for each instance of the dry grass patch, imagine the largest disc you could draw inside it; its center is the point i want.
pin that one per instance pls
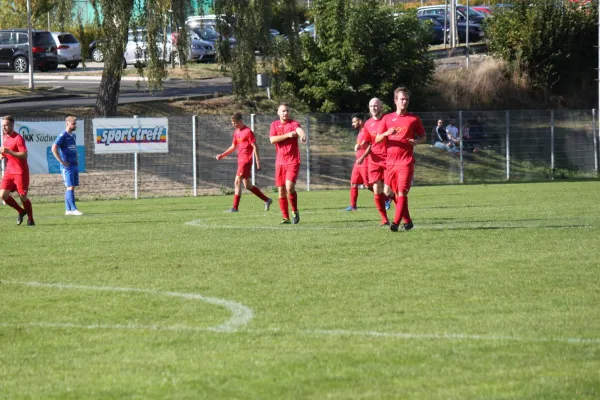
(484, 86)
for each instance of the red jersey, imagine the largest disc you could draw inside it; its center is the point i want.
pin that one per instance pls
(243, 139)
(407, 126)
(378, 152)
(288, 152)
(361, 137)
(15, 142)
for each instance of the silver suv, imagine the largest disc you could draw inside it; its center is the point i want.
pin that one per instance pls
(136, 50)
(69, 49)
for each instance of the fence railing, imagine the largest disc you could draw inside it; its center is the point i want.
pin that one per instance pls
(515, 146)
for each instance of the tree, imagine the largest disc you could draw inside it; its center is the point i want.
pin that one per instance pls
(550, 44)
(13, 14)
(116, 18)
(362, 51)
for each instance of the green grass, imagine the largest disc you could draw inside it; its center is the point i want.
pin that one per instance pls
(494, 294)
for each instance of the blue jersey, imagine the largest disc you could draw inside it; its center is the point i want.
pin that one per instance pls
(67, 147)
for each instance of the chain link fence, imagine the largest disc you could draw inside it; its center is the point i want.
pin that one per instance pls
(511, 146)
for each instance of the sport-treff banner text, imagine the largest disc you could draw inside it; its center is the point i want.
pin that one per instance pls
(40, 136)
(130, 135)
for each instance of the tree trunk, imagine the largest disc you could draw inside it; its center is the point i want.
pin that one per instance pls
(108, 94)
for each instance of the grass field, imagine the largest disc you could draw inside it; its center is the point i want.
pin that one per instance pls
(494, 294)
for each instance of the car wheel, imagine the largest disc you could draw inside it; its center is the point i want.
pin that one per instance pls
(72, 65)
(176, 60)
(124, 63)
(20, 64)
(97, 55)
(53, 68)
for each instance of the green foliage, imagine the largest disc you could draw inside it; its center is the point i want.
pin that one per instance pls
(352, 61)
(549, 43)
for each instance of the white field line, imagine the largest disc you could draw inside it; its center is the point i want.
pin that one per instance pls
(241, 314)
(425, 226)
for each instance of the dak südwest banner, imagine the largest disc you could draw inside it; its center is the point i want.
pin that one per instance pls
(40, 136)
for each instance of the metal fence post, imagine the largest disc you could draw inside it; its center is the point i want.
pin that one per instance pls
(507, 145)
(307, 153)
(194, 155)
(595, 140)
(135, 172)
(253, 160)
(460, 132)
(552, 143)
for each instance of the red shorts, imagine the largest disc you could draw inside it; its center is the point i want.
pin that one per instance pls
(18, 183)
(399, 177)
(244, 170)
(286, 173)
(360, 175)
(376, 172)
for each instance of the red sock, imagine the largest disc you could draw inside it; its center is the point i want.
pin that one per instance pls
(29, 209)
(380, 204)
(399, 209)
(258, 193)
(405, 213)
(283, 205)
(236, 201)
(11, 202)
(294, 201)
(353, 196)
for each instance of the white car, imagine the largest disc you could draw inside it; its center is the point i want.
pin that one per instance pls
(136, 50)
(68, 48)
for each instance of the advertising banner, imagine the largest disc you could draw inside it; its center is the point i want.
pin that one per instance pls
(40, 136)
(130, 135)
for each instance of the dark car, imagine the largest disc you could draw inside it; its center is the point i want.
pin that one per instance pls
(14, 50)
(95, 53)
(437, 29)
(476, 33)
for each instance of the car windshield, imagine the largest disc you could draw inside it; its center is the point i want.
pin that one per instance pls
(206, 34)
(43, 38)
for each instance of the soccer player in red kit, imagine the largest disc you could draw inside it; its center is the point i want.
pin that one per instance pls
(16, 175)
(401, 131)
(360, 171)
(245, 142)
(377, 160)
(284, 134)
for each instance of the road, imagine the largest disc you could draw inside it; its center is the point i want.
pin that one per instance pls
(80, 90)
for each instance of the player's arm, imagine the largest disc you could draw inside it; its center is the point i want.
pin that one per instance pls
(382, 132)
(281, 138)
(256, 155)
(419, 132)
(17, 154)
(365, 154)
(300, 132)
(57, 155)
(227, 152)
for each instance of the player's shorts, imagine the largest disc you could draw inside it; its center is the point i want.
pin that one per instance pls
(376, 172)
(244, 170)
(286, 173)
(70, 175)
(360, 174)
(16, 183)
(400, 177)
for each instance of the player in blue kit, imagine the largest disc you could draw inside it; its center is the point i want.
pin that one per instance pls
(65, 151)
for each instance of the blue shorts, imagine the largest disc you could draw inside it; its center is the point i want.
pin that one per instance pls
(70, 175)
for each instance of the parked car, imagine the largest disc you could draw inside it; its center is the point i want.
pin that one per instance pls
(68, 49)
(14, 50)
(476, 32)
(200, 50)
(437, 29)
(210, 35)
(474, 16)
(483, 9)
(308, 30)
(136, 50)
(95, 52)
